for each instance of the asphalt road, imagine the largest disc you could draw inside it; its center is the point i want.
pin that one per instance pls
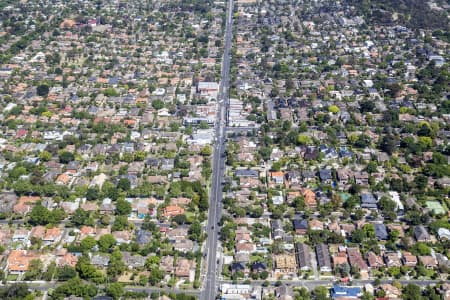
(45, 286)
(241, 129)
(218, 166)
(311, 284)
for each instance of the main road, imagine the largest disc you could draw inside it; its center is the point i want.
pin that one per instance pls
(310, 284)
(45, 286)
(218, 166)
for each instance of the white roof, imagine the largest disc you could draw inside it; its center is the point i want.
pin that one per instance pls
(208, 85)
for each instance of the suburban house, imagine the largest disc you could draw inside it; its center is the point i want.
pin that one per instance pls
(345, 292)
(18, 261)
(323, 258)
(303, 255)
(368, 201)
(172, 210)
(300, 226)
(421, 234)
(285, 264)
(408, 259)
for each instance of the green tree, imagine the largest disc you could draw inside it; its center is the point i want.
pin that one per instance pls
(106, 242)
(195, 231)
(372, 167)
(16, 291)
(50, 272)
(139, 155)
(120, 223)
(80, 217)
(425, 142)
(304, 139)
(56, 216)
(425, 130)
(115, 290)
(45, 156)
(152, 262)
(333, 109)
(87, 243)
(175, 189)
(17, 171)
(412, 292)
(265, 152)
(439, 158)
(421, 181)
(188, 130)
(39, 215)
(369, 230)
(203, 125)
(110, 191)
(42, 90)
(321, 293)
(124, 184)
(110, 92)
(65, 273)
(421, 249)
(156, 275)
(388, 144)
(303, 294)
(84, 268)
(394, 271)
(367, 106)
(75, 287)
(358, 236)
(92, 193)
(367, 296)
(66, 157)
(123, 207)
(157, 104)
(203, 203)
(116, 265)
(35, 270)
(206, 150)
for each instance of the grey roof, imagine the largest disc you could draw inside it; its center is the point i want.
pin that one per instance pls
(323, 256)
(292, 174)
(303, 255)
(143, 237)
(300, 224)
(102, 298)
(421, 233)
(325, 174)
(283, 291)
(381, 232)
(237, 266)
(368, 198)
(100, 260)
(153, 162)
(277, 229)
(308, 174)
(134, 261)
(276, 224)
(246, 173)
(7, 201)
(369, 205)
(256, 266)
